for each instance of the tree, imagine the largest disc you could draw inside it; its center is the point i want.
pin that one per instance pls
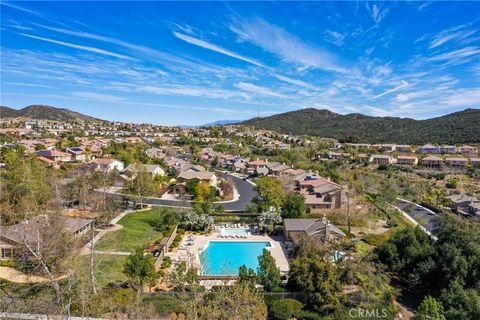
(438, 194)
(142, 185)
(287, 309)
(40, 147)
(430, 309)
(191, 186)
(293, 206)
(237, 302)
(312, 273)
(204, 197)
(268, 273)
(26, 188)
(268, 220)
(270, 193)
(184, 280)
(247, 276)
(140, 270)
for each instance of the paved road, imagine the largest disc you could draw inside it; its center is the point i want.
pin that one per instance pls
(420, 214)
(245, 190)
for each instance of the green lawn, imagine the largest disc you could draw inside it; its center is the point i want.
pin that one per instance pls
(108, 268)
(137, 232)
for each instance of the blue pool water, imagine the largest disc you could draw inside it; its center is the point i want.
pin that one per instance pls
(235, 232)
(224, 258)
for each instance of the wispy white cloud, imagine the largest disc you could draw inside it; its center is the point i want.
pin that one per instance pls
(79, 47)
(214, 47)
(379, 112)
(377, 13)
(335, 37)
(285, 45)
(259, 90)
(449, 35)
(465, 98)
(296, 82)
(456, 56)
(394, 89)
(98, 96)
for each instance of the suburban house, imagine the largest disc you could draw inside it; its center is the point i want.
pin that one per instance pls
(13, 238)
(338, 155)
(465, 203)
(255, 165)
(106, 164)
(403, 148)
(239, 167)
(432, 162)
(77, 154)
(448, 149)
(320, 229)
(278, 169)
(466, 149)
(320, 193)
(475, 162)
(201, 176)
(55, 155)
(457, 162)
(428, 148)
(153, 169)
(382, 159)
(407, 160)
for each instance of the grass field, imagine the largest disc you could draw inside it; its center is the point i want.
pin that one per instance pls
(137, 232)
(108, 268)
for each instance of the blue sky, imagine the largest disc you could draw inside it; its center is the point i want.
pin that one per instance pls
(193, 63)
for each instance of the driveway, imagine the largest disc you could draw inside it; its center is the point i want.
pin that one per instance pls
(422, 215)
(246, 193)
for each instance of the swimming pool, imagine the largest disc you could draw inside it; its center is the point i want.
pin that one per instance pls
(226, 257)
(235, 232)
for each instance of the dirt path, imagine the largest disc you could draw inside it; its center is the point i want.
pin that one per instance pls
(13, 275)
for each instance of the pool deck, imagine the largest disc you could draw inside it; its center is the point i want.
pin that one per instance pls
(192, 252)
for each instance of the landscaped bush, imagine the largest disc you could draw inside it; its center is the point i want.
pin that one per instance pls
(180, 231)
(8, 263)
(166, 263)
(291, 309)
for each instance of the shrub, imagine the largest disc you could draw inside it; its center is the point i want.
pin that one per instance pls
(287, 309)
(180, 231)
(376, 239)
(8, 263)
(166, 263)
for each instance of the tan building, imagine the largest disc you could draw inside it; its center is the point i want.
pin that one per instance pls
(382, 159)
(202, 176)
(475, 162)
(466, 149)
(320, 229)
(432, 162)
(457, 162)
(407, 160)
(14, 238)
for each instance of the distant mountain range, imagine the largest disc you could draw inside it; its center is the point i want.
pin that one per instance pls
(43, 112)
(458, 127)
(221, 123)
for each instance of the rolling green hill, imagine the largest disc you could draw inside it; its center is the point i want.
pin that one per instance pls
(45, 113)
(458, 127)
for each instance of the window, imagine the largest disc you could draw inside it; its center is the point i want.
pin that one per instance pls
(6, 253)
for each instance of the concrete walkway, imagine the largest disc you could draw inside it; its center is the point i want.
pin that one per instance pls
(14, 275)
